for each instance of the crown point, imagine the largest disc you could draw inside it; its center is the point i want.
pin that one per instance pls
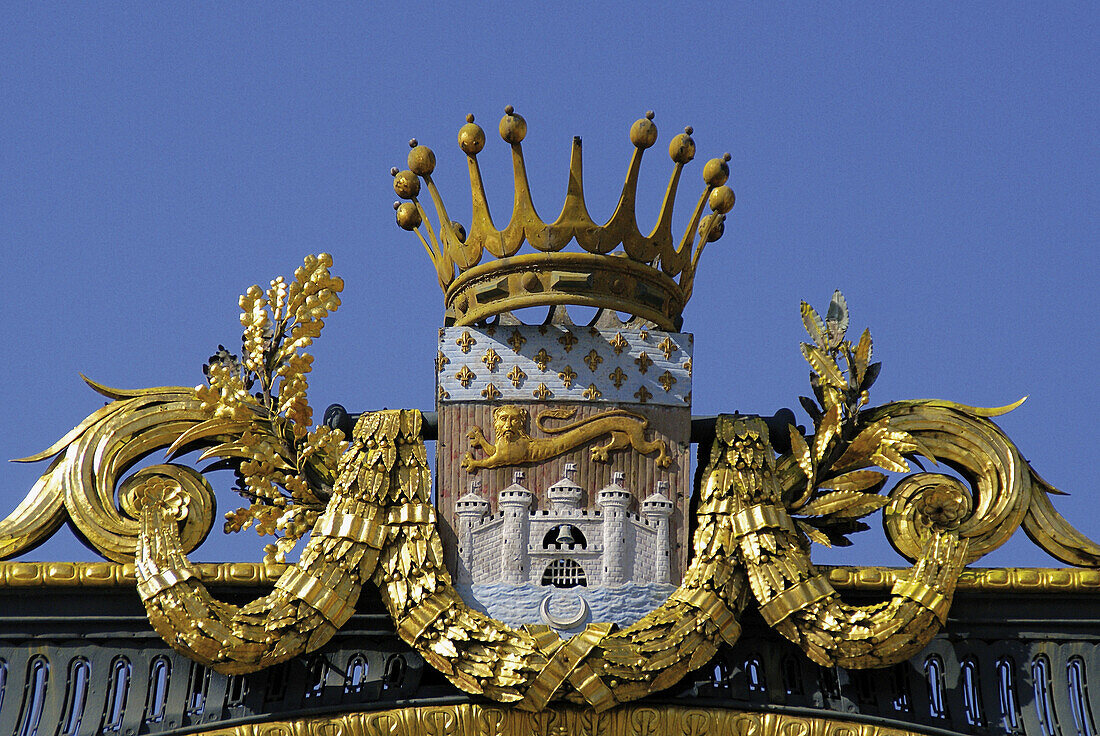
(689, 130)
(681, 149)
(421, 160)
(471, 138)
(722, 199)
(405, 184)
(643, 133)
(513, 128)
(716, 172)
(408, 216)
(648, 114)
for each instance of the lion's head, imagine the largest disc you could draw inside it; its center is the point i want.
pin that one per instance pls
(510, 423)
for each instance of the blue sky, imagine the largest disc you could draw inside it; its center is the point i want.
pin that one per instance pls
(935, 161)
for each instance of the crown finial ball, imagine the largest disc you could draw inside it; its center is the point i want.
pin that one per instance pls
(513, 128)
(394, 170)
(716, 172)
(716, 229)
(682, 148)
(721, 200)
(643, 133)
(406, 184)
(422, 160)
(470, 118)
(408, 216)
(471, 138)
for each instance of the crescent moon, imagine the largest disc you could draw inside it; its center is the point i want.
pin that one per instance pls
(563, 623)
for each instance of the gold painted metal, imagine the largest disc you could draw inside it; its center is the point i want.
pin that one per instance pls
(593, 359)
(632, 720)
(1007, 580)
(567, 376)
(756, 518)
(465, 341)
(516, 340)
(542, 359)
(667, 381)
(465, 376)
(618, 343)
(639, 279)
(568, 340)
(516, 376)
(515, 446)
(490, 358)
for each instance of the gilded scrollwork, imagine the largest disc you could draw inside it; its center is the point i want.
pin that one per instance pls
(371, 519)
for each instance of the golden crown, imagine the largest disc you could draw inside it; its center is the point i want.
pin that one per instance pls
(640, 280)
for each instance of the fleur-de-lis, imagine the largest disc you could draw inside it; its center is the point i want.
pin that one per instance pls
(443, 394)
(465, 342)
(643, 361)
(687, 366)
(617, 377)
(465, 375)
(542, 359)
(516, 376)
(440, 361)
(643, 395)
(516, 340)
(591, 393)
(593, 359)
(490, 392)
(568, 340)
(687, 398)
(666, 380)
(618, 343)
(491, 359)
(668, 347)
(567, 376)
(643, 333)
(541, 393)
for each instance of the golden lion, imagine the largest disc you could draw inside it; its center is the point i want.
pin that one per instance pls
(514, 446)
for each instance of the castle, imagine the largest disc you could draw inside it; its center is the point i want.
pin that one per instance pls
(566, 545)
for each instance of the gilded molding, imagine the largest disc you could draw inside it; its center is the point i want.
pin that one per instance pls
(118, 575)
(1006, 580)
(638, 720)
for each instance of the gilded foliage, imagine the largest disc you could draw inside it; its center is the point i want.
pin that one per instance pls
(837, 491)
(258, 403)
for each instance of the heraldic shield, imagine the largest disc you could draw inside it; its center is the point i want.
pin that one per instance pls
(563, 469)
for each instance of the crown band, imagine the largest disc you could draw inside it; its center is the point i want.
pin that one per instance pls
(581, 279)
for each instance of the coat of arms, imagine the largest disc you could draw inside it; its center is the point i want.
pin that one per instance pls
(570, 551)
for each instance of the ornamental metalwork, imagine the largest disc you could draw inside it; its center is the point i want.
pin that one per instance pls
(569, 566)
